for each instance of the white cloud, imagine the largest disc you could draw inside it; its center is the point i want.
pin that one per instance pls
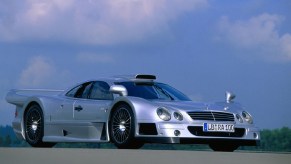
(90, 21)
(38, 71)
(260, 34)
(42, 72)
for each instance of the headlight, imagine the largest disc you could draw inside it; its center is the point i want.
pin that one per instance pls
(164, 114)
(238, 117)
(178, 116)
(247, 117)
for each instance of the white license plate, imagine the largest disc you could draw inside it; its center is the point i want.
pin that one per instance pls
(209, 127)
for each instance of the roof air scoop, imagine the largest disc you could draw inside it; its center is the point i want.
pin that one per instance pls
(143, 76)
(229, 97)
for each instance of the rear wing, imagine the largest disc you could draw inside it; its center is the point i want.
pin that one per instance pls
(19, 96)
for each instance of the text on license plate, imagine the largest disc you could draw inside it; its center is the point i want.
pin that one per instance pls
(209, 127)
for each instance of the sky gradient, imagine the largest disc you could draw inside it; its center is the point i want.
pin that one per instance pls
(201, 47)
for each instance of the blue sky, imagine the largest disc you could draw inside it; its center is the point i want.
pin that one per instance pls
(201, 47)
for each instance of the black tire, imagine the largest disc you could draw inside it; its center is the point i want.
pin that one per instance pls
(224, 147)
(34, 127)
(122, 128)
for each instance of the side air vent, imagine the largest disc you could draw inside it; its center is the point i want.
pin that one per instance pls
(147, 129)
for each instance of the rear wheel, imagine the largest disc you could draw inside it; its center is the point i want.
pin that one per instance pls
(33, 127)
(122, 128)
(225, 147)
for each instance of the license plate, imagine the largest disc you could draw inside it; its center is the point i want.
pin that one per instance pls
(209, 127)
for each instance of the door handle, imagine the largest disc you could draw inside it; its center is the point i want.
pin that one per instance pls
(78, 108)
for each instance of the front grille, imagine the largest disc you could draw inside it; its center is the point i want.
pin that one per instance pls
(211, 116)
(198, 131)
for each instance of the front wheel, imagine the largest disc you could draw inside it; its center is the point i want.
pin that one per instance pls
(34, 127)
(122, 128)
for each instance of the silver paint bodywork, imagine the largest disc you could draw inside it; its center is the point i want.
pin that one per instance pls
(63, 123)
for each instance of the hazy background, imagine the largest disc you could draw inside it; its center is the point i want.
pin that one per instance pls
(201, 47)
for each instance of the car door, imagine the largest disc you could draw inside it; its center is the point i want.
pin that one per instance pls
(92, 106)
(64, 114)
(62, 119)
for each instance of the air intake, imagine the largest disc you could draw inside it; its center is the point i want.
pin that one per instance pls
(149, 77)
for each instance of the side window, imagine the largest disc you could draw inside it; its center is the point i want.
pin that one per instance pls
(81, 91)
(100, 91)
(85, 93)
(73, 91)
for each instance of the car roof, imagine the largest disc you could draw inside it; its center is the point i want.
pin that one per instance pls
(125, 78)
(117, 79)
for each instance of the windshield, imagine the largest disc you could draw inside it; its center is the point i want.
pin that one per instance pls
(153, 91)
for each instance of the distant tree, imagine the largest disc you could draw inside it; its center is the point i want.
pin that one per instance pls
(1, 141)
(8, 140)
(276, 140)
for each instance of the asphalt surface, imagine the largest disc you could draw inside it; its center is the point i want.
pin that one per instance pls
(113, 156)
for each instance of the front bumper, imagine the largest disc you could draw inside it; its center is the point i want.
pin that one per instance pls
(244, 135)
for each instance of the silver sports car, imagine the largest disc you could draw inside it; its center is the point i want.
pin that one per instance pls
(129, 111)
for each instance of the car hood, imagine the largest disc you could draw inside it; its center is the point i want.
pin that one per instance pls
(197, 106)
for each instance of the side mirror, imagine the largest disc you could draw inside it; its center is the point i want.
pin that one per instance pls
(118, 89)
(229, 96)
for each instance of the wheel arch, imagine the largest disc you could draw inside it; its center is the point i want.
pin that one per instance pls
(130, 142)
(113, 107)
(142, 110)
(117, 103)
(29, 105)
(38, 140)
(32, 101)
